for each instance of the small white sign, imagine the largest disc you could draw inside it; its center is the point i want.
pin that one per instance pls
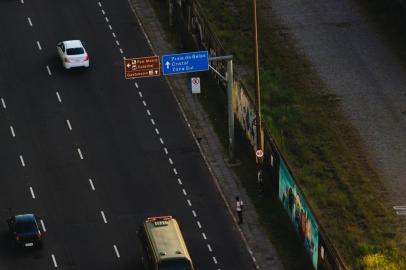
(195, 85)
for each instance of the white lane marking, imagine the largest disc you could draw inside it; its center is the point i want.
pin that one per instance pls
(254, 259)
(170, 161)
(80, 153)
(91, 184)
(116, 250)
(209, 247)
(179, 181)
(194, 213)
(22, 1)
(156, 131)
(104, 13)
(111, 28)
(136, 85)
(145, 104)
(12, 131)
(22, 161)
(118, 43)
(199, 225)
(214, 260)
(184, 191)
(107, 19)
(49, 70)
(43, 225)
(189, 203)
(114, 34)
(121, 51)
(103, 216)
(54, 260)
(161, 140)
(139, 93)
(149, 113)
(32, 193)
(175, 171)
(166, 150)
(204, 236)
(3, 103)
(99, 4)
(152, 121)
(29, 21)
(59, 97)
(39, 45)
(69, 125)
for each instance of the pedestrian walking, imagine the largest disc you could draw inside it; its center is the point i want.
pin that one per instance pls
(239, 207)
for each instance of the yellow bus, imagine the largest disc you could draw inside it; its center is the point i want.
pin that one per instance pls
(163, 245)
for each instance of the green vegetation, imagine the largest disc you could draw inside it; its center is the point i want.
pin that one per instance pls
(321, 147)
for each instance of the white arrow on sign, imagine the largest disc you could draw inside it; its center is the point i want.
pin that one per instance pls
(128, 65)
(167, 64)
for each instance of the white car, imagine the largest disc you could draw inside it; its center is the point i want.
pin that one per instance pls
(73, 54)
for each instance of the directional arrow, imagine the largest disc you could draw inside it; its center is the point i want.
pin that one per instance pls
(167, 64)
(128, 65)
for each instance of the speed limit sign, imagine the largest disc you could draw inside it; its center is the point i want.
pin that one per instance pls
(259, 153)
(195, 85)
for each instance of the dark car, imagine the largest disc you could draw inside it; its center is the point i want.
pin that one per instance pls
(24, 231)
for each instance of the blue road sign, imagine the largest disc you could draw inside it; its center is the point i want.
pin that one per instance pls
(185, 62)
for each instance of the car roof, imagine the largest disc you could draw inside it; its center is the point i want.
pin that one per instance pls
(72, 44)
(25, 218)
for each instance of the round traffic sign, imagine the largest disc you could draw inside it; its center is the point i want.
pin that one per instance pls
(259, 153)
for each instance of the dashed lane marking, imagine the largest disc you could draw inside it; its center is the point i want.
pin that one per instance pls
(161, 140)
(69, 125)
(32, 192)
(152, 121)
(175, 171)
(116, 250)
(104, 13)
(22, 160)
(59, 97)
(107, 19)
(184, 191)
(194, 213)
(3, 103)
(136, 85)
(39, 46)
(103, 216)
(12, 131)
(121, 51)
(139, 93)
(214, 260)
(54, 261)
(145, 104)
(117, 43)
(114, 34)
(111, 28)
(204, 236)
(156, 131)
(189, 203)
(179, 181)
(91, 184)
(29, 21)
(209, 247)
(165, 150)
(43, 225)
(170, 161)
(199, 225)
(49, 71)
(149, 113)
(99, 4)
(22, 1)
(80, 153)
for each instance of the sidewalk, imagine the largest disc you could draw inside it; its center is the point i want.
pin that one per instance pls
(262, 251)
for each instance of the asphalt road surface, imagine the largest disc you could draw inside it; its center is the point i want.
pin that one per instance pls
(93, 154)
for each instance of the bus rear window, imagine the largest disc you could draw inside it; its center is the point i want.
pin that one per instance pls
(176, 264)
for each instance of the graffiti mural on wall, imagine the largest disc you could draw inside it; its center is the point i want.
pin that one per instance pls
(302, 218)
(244, 111)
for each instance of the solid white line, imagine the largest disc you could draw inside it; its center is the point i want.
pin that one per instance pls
(103, 11)
(54, 260)
(80, 153)
(162, 141)
(29, 21)
(116, 250)
(199, 225)
(43, 225)
(204, 236)
(399, 207)
(107, 19)
(170, 161)
(175, 171)
(32, 192)
(145, 104)
(136, 85)
(189, 203)
(39, 46)
(111, 28)
(166, 150)
(49, 70)
(59, 97)
(184, 191)
(91, 184)
(209, 247)
(118, 43)
(114, 34)
(22, 161)
(149, 113)
(12, 131)
(3, 103)
(156, 131)
(99, 4)
(139, 93)
(69, 125)
(104, 217)
(179, 181)
(194, 213)
(215, 260)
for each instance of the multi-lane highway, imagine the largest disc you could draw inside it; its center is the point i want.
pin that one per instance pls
(93, 154)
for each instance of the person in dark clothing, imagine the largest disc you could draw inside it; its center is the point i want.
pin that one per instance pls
(238, 208)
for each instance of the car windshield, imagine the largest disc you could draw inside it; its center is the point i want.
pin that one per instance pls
(177, 264)
(26, 226)
(74, 51)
